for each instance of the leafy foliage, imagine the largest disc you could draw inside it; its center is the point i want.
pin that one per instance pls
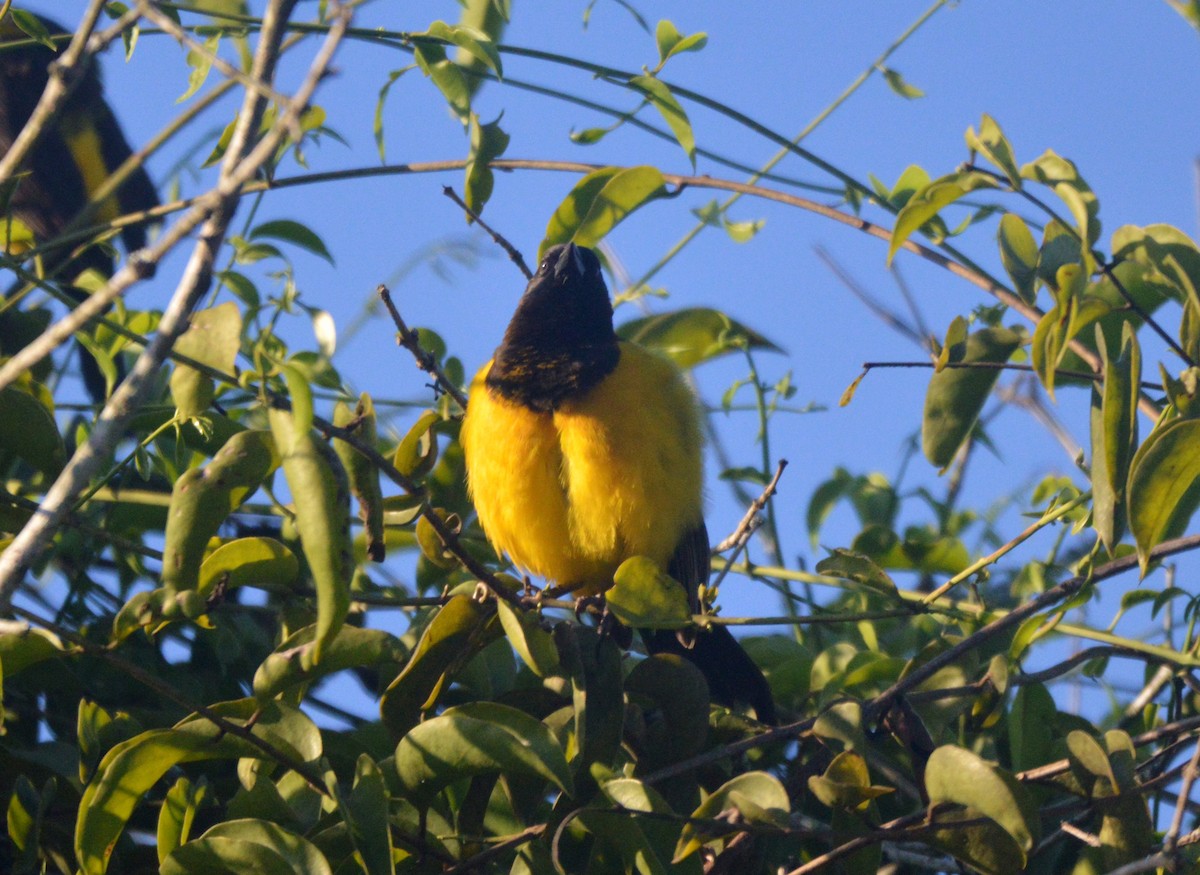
(165, 703)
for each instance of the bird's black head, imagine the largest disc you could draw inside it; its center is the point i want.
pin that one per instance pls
(560, 342)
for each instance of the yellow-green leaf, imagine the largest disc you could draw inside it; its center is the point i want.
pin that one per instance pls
(657, 92)
(645, 596)
(1163, 489)
(599, 201)
(955, 774)
(956, 395)
(929, 201)
(1114, 433)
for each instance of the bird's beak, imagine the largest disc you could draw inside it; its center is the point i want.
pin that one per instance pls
(569, 264)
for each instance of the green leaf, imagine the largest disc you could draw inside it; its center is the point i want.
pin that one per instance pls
(954, 346)
(532, 643)
(599, 201)
(592, 662)
(846, 783)
(759, 797)
(259, 562)
(458, 630)
(1114, 433)
(955, 774)
(28, 430)
(237, 847)
(131, 768)
(33, 28)
(956, 396)
(1019, 254)
(927, 202)
(377, 126)
(645, 843)
(418, 450)
(177, 815)
(475, 43)
(350, 648)
(22, 646)
(993, 145)
(200, 64)
(1059, 247)
(645, 596)
(657, 92)
(321, 499)
(671, 42)
(1163, 491)
(847, 565)
(366, 814)
(896, 82)
(1061, 175)
(474, 739)
(843, 721)
(213, 338)
(26, 808)
(486, 17)
(678, 690)
(488, 142)
(1032, 712)
(294, 233)
(693, 335)
(202, 499)
(447, 76)
(739, 232)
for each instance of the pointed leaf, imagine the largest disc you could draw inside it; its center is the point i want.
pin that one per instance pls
(993, 145)
(955, 774)
(693, 335)
(478, 738)
(599, 201)
(294, 233)
(1163, 491)
(657, 92)
(1019, 254)
(646, 597)
(956, 395)
(760, 798)
(926, 203)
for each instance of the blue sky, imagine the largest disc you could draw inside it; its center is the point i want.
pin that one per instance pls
(1109, 85)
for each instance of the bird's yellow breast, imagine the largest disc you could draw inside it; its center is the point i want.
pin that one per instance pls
(614, 473)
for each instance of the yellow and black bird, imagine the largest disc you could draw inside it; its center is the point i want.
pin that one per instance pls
(583, 450)
(77, 152)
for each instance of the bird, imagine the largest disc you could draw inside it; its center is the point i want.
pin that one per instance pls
(80, 148)
(583, 450)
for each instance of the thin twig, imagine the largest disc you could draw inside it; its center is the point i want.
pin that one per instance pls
(756, 507)
(886, 316)
(475, 862)
(513, 253)
(410, 340)
(1089, 839)
(1190, 773)
(1001, 366)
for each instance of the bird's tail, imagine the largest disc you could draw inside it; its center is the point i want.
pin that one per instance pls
(733, 678)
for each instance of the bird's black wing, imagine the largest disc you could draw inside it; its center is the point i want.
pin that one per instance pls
(733, 678)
